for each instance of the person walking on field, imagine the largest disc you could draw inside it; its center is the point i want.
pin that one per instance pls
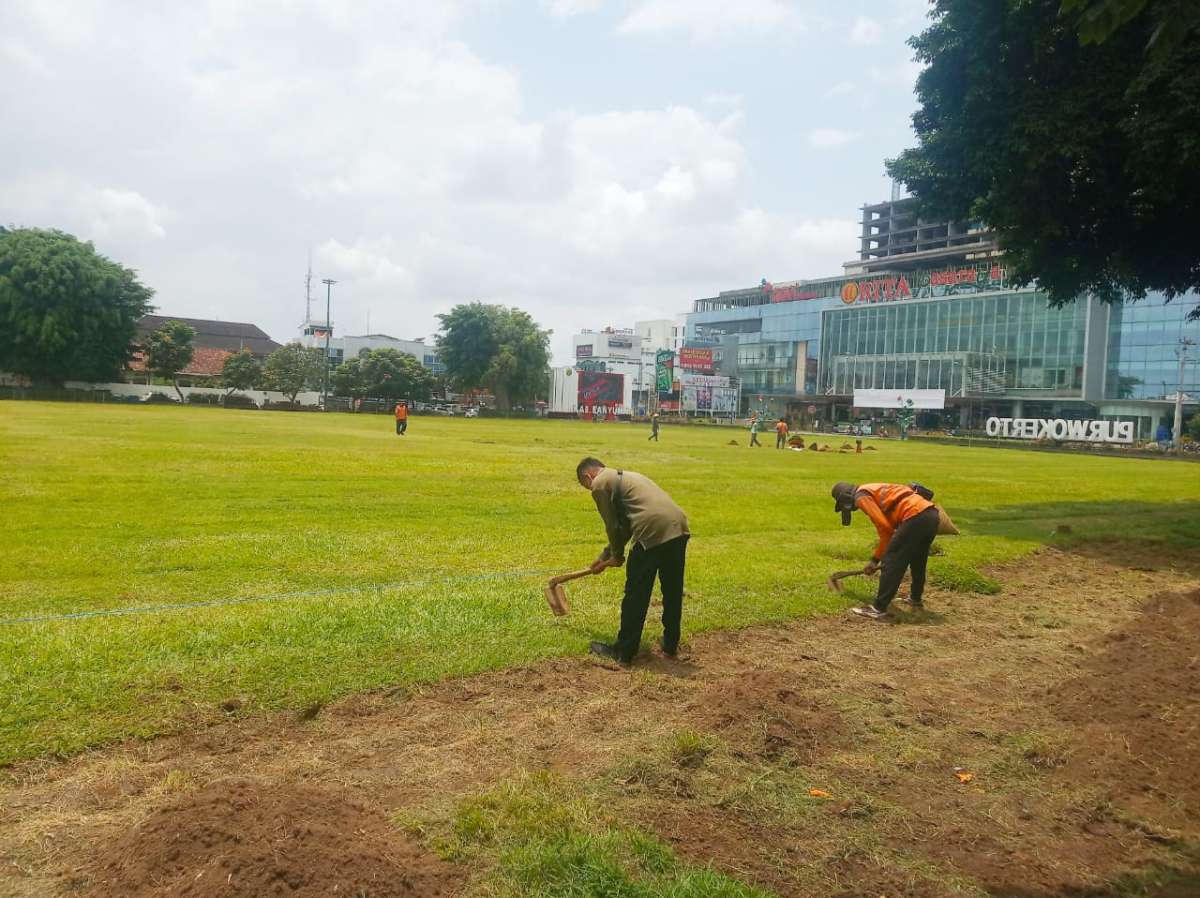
(401, 417)
(907, 523)
(781, 434)
(653, 428)
(636, 509)
(754, 430)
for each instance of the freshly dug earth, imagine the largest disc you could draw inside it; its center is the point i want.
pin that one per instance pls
(1035, 744)
(240, 837)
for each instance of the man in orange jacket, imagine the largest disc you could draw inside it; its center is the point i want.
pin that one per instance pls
(907, 523)
(401, 417)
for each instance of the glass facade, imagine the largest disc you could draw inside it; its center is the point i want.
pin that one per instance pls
(1142, 339)
(777, 345)
(1008, 343)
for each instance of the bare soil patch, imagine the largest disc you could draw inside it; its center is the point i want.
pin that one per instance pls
(240, 837)
(1037, 743)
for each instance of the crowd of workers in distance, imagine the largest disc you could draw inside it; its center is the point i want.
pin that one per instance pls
(638, 512)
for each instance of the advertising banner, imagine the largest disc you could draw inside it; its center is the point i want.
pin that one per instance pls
(664, 370)
(724, 400)
(900, 398)
(600, 388)
(583, 351)
(703, 380)
(692, 359)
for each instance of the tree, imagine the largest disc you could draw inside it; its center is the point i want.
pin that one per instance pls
(1098, 20)
(499, 348)
(1081, 156)
(169, 350)
(390, 374)
(291, 368)
(347, 379)
(66, 312)
(241, 371)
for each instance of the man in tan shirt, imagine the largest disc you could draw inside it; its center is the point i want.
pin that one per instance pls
(635, 509)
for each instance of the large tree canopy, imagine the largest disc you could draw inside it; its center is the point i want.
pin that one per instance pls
(169, 350)
(1079, 148)
(292, 368)
(384, 374)
(497, 348)
(66, 312)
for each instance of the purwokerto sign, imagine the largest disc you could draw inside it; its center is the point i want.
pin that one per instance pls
(1061, 429)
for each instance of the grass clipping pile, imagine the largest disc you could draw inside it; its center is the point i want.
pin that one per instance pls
(239, 837)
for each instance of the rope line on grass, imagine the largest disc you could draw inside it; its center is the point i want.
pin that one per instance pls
(270, 597)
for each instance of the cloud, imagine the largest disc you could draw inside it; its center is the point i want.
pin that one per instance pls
(563, 9)
(865, 32)
(372, 134)
(839, 90)
(706, 20)
(112, 214)
(828, 138)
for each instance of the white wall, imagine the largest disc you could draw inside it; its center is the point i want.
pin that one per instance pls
(259, 397)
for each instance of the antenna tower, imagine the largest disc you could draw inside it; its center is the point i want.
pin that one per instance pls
(308, 291)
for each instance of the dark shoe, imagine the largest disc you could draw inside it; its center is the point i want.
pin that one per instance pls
(917, 605)
(670, 653)
(604, 650)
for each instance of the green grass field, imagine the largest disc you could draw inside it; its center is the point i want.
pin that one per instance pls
(336, 556)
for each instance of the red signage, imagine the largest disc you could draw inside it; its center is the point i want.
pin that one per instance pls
(877, 290)
(696, 359)
(789, 293)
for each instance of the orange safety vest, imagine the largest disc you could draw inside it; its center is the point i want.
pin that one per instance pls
(401, 411)
(888, 505)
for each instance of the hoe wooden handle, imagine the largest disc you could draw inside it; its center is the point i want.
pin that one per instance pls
(574, 575)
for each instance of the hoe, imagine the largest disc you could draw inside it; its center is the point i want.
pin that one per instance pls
(556, 595)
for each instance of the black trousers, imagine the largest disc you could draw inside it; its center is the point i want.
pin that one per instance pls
(908, 550)
(401, 426)
(653, 435)
(754, 439)
(641, 567)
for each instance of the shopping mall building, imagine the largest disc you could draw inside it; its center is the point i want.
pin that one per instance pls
(927, 306)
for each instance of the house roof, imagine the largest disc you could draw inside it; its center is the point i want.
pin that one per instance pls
(231, 336)
(207, 362)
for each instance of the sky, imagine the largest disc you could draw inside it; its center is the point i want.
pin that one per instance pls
(594, 162)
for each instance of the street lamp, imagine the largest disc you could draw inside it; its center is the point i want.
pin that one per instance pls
(328, 282)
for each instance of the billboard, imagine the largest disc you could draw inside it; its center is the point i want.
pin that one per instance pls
(696, 359)
(664, 370)
(900, 398)
(600, 388)
(583, 351)
(724, 400)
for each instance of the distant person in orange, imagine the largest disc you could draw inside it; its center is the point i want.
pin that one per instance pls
(781, 434)
(907, 523)
(401, 417)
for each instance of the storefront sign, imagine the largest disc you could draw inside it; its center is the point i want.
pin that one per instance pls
(1061, 429)
(584, 351)
(887, 289)
(925, 284)
(696, 359)
(789, 293)
(590, 365)
(620, 343)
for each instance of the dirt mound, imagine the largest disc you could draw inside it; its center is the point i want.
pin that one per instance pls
(771, 707)
(240, 838)
(1138, 706)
